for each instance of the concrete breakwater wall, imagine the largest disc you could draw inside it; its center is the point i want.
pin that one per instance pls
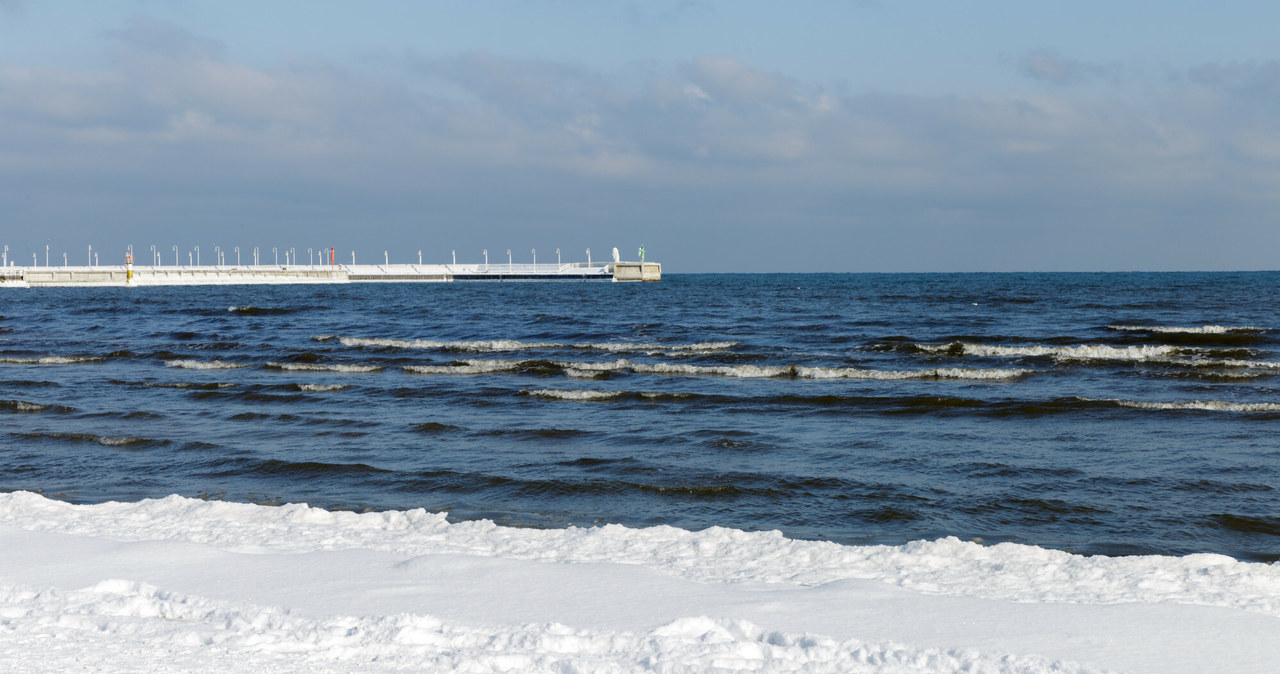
(121, 275)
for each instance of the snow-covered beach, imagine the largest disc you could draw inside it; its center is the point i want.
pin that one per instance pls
(179, 584)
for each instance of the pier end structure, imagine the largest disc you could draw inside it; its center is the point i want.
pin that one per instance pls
(122, 275)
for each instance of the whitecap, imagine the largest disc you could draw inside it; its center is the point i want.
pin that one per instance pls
(204, 364)
(50, 360)
(574, 395)
(324, 367)
(1174, 329)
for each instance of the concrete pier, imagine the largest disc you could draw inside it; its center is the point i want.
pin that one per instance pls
(121, 275)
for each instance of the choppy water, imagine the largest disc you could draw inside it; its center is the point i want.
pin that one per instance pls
(1097, 413)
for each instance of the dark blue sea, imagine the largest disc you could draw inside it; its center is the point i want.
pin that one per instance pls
(1118, 413)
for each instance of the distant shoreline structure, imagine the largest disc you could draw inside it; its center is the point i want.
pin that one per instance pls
(131, 275)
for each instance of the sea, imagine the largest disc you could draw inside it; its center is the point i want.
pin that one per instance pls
(1096, 413)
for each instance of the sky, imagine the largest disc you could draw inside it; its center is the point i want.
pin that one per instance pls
(820, 135)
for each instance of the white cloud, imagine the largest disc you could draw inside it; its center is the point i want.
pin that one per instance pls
(713, 141)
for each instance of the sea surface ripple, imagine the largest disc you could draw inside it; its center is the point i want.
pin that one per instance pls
(1122, 413)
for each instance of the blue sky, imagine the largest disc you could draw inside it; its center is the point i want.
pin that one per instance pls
(723, 136)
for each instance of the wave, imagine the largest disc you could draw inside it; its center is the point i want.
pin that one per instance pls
(592, 370)
(1201, 330)
(324, 367)
(249, 310)
(504, 345)
(199, 386)
(1201, 405)
(49, 360)
(574, 395)
(204, 364)
(24, 407)
(320, 388)
(1067, 353)
(104, 440)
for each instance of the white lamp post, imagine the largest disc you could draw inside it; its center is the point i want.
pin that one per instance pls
(535, 259)
(588, 257)
(197, 255)
(237, 256)
(311, 257)
(91, 256)
(509, 265)
(486, 259)
(276, 253)
(557, 258)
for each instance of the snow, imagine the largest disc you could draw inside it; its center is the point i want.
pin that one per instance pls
(177, 584)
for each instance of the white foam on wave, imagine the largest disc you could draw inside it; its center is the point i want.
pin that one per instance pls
(321, 388)
(504, 345)
(588, 370)
(1174, 329)
(204, 364)
(23, 406)
(49, 360)
(1202, 405)
(467, 367)
(1068, 353)
(324, 367)
(580, 395)
(978, 374)
(116, 441)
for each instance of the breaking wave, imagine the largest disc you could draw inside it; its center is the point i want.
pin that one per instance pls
(505, 345)
(1172, 329)
(324, 367)
(1082, 352)
(588, 369)
(1201, 405)
(575, 395)
(49, 360)
(204, 364)
(320, 388)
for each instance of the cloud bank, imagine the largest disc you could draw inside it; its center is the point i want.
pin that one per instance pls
(712, 163)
